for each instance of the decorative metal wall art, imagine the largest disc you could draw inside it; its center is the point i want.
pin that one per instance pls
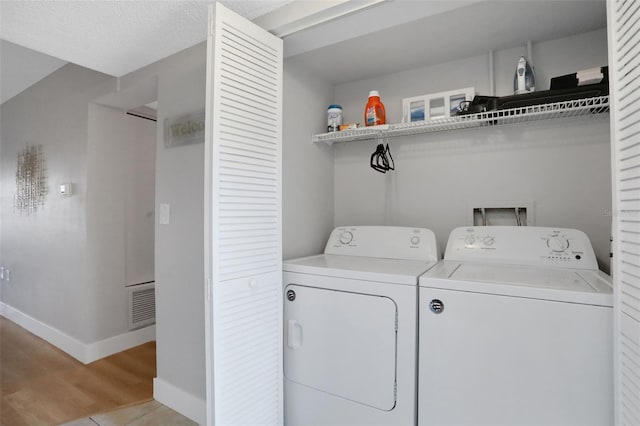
(31, 180)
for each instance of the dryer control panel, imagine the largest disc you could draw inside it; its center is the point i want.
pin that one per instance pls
(388, 242)
(522, 245)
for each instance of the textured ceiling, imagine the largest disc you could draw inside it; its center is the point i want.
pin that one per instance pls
(113, 37)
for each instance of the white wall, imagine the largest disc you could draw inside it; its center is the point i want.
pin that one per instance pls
(47, 250)
(562, 165)
(307, 168)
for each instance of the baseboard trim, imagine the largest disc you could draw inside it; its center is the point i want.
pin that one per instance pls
(177, 399)
(119, 343)
(83, 352)
(57, 338)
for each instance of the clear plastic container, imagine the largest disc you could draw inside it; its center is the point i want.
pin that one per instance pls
(334, 118)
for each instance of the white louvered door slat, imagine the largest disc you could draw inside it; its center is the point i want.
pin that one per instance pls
(624, 73)
(244, 230)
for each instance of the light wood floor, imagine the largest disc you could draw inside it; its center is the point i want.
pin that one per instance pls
(41, 385)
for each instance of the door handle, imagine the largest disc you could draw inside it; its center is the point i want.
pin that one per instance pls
(294, 334)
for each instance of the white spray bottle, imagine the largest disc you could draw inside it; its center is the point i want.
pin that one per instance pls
(524, 81)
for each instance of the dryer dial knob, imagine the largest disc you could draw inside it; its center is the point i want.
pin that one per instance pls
(488, 241)
(415, 240)
(469, 240)
(346, 237)
(558, 244)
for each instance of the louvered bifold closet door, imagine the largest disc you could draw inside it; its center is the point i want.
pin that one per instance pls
(624, 67)
(244, 168)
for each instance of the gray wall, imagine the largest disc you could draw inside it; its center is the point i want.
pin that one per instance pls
(69, 260)
(179, 246)
(120, 196)
(550, 58)
(563, 166)
(307, 168)
(307, 203)
(140, 192)
(47, 251)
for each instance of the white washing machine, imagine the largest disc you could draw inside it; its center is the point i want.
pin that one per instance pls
(350, 328)
(516, 329)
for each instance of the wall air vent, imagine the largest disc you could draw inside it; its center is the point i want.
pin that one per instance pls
(142, 305)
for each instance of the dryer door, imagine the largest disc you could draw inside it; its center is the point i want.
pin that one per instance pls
(341, 343)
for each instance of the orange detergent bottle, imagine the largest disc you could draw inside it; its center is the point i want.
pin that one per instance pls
(374, 111)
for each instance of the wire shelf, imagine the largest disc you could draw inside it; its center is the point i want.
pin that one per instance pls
(586, 106)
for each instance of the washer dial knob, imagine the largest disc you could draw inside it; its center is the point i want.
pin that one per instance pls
(415, 240)
(488, 241)
(346, 237)
(469, 240)
(558, 243)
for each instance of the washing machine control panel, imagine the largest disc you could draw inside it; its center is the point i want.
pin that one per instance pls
(526, 245)
(390, 242)
(346, 237)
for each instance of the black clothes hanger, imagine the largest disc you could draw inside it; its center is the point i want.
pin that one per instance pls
(381, 160)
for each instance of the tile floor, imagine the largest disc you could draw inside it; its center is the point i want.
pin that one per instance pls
(150, 413)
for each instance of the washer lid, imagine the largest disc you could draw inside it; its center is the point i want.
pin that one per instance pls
(565, 285)
(361, 268)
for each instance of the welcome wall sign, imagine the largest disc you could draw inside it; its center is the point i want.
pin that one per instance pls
(184, 130)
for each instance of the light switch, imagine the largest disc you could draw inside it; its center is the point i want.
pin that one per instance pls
(66, 189)
(164, 214)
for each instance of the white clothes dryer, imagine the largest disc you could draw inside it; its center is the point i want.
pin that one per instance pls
(350, 328)
(516, 329)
